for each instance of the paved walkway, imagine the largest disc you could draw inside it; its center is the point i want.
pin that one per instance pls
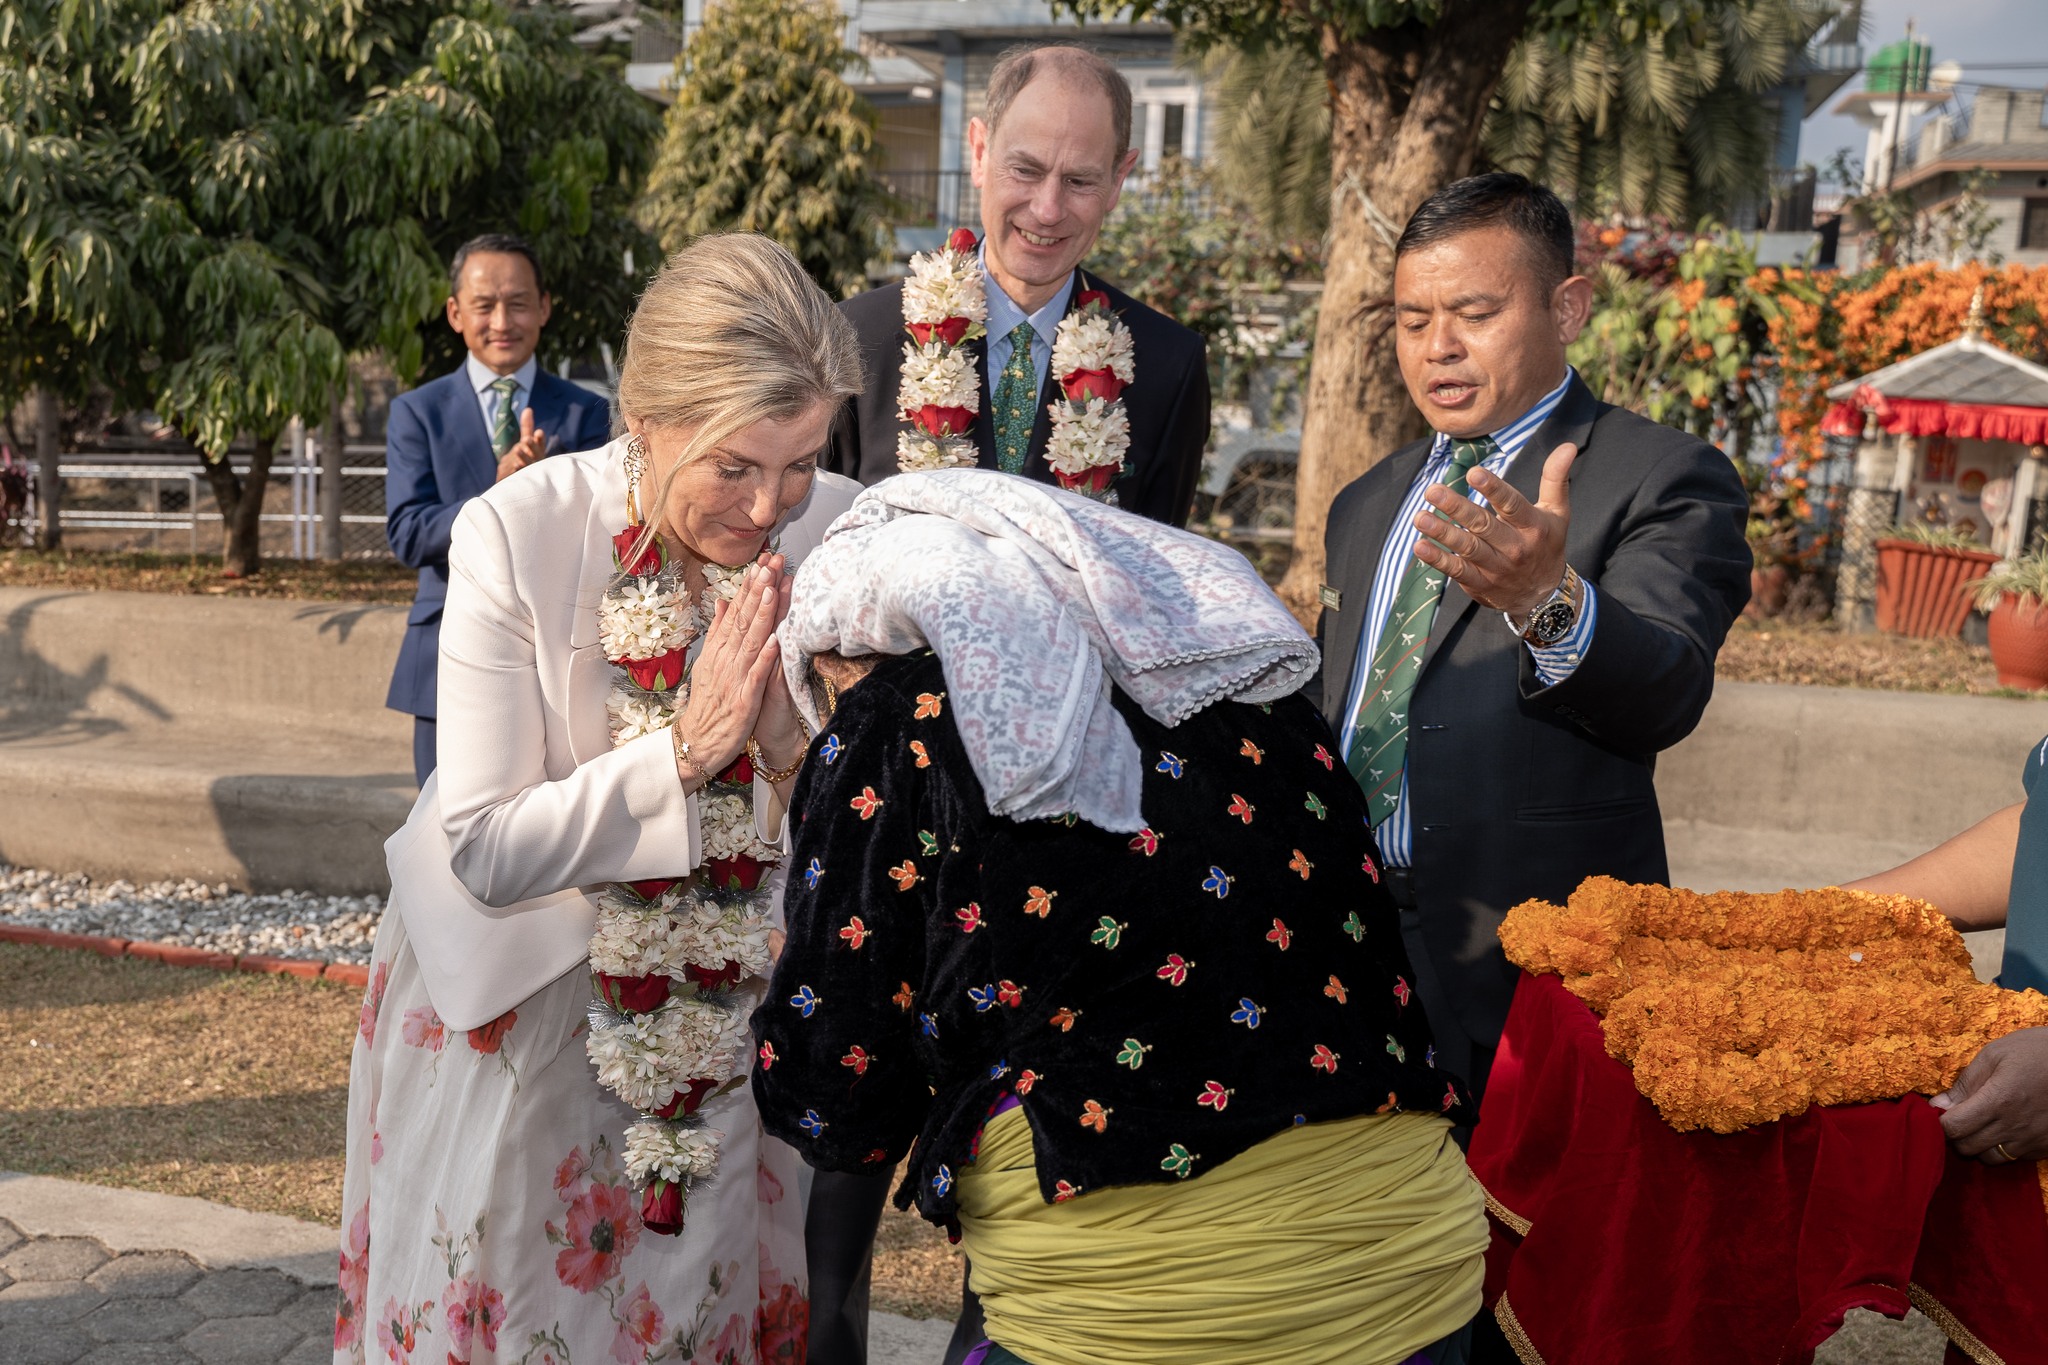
(123, 1277)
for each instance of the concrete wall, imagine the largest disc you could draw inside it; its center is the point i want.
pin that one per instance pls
(147, 736)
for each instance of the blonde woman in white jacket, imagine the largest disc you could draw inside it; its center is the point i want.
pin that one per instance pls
(493, 1199)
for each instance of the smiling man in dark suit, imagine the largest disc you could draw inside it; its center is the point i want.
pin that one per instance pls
(1523, 610)
(1049, 158)
(450, 439)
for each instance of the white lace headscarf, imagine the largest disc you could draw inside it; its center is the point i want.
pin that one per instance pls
(1036, 600)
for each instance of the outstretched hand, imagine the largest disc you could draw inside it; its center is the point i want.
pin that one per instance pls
(731, 676)
(1508, 555)
(1997, 1111)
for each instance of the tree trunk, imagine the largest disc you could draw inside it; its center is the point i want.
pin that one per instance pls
(242, 552)
(49, 486)
(1405, 112)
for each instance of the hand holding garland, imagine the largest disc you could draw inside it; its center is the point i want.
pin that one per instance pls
(732, 674)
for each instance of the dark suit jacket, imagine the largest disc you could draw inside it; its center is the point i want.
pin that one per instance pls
(1168, 404)
(1519, 790)
(437, 456)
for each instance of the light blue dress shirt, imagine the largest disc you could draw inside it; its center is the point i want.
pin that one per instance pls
(481, 377)
(1554, 663)
(1003, 316)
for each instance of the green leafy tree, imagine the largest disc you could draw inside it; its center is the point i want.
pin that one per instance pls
(1408, 82)
(214, 204)
(765, 136)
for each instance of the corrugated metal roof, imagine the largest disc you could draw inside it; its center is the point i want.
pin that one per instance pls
(1966, 370)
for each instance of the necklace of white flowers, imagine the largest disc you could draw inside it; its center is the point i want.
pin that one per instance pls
(945, 306)
(1093, 359)
(675, 961)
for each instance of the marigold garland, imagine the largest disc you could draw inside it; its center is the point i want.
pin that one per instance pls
(1736, 1009)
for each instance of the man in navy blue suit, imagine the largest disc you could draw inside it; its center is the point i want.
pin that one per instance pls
(450, 439)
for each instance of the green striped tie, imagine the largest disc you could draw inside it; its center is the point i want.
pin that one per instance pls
(1016, 402)
(505, 425)
(1379, 738)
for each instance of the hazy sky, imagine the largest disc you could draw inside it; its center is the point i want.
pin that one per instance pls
(1984, 35)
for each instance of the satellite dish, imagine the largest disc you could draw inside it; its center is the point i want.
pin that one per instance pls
(1945, 76)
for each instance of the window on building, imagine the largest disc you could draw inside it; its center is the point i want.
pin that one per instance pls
(1174, 130)
(2034, 225)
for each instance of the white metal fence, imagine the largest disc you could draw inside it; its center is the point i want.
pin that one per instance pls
(148, 496)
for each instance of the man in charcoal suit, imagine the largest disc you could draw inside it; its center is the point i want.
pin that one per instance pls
(1049, 158)
(450, 439)
(1522, 610)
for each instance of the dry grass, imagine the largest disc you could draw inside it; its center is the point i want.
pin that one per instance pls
(234, 1087)
(228, 1086)
(1820, 655)
(355, 580)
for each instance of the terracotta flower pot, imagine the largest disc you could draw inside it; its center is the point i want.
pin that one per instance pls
(1767, 589)
(1921, 589)
(2019, 642)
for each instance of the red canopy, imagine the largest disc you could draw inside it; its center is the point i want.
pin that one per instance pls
(1937, 417)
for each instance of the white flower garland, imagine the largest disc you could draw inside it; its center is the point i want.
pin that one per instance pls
(670, 1028)
(945, 305)
(1094, 360)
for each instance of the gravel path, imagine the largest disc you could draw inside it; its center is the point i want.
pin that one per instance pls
(279, 924)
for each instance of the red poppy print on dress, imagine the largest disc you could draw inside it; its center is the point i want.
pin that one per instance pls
(491, 1036)
(1281, 935)
(373, 1002)
(475, 1311)
(639, 1327)
(866, 804)
(423, 1028)
(603, 1224)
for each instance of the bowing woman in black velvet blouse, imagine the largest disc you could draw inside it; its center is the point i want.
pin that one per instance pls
(1213, 1017)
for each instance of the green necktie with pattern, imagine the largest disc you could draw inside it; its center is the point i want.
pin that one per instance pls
(505, 426)
(1379, 737)
(1016, 400)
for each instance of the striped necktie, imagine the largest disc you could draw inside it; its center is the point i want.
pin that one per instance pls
(1016, 401)
(505, 425)
(1379, 738)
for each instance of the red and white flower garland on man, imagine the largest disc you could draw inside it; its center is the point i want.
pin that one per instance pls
(669, 1028)
(1092, 356)
(945, 306)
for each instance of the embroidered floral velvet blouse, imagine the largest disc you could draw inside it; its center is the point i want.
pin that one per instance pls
(1158, 1003)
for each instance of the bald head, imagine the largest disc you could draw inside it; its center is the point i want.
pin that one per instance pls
(1018, 67)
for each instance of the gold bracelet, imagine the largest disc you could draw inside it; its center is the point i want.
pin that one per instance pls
(682, 748)
(772, 776)
(761, 767)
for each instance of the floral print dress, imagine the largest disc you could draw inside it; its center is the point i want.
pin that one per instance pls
(487, 1214)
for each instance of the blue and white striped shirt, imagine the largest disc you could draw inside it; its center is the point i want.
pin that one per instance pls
(1554, 663)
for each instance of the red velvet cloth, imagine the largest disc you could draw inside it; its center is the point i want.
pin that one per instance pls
(1619, 1241)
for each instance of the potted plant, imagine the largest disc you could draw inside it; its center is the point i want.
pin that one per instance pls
(2016, 595)
(1923, 579)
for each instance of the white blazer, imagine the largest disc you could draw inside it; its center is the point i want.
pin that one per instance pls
(531, 810)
